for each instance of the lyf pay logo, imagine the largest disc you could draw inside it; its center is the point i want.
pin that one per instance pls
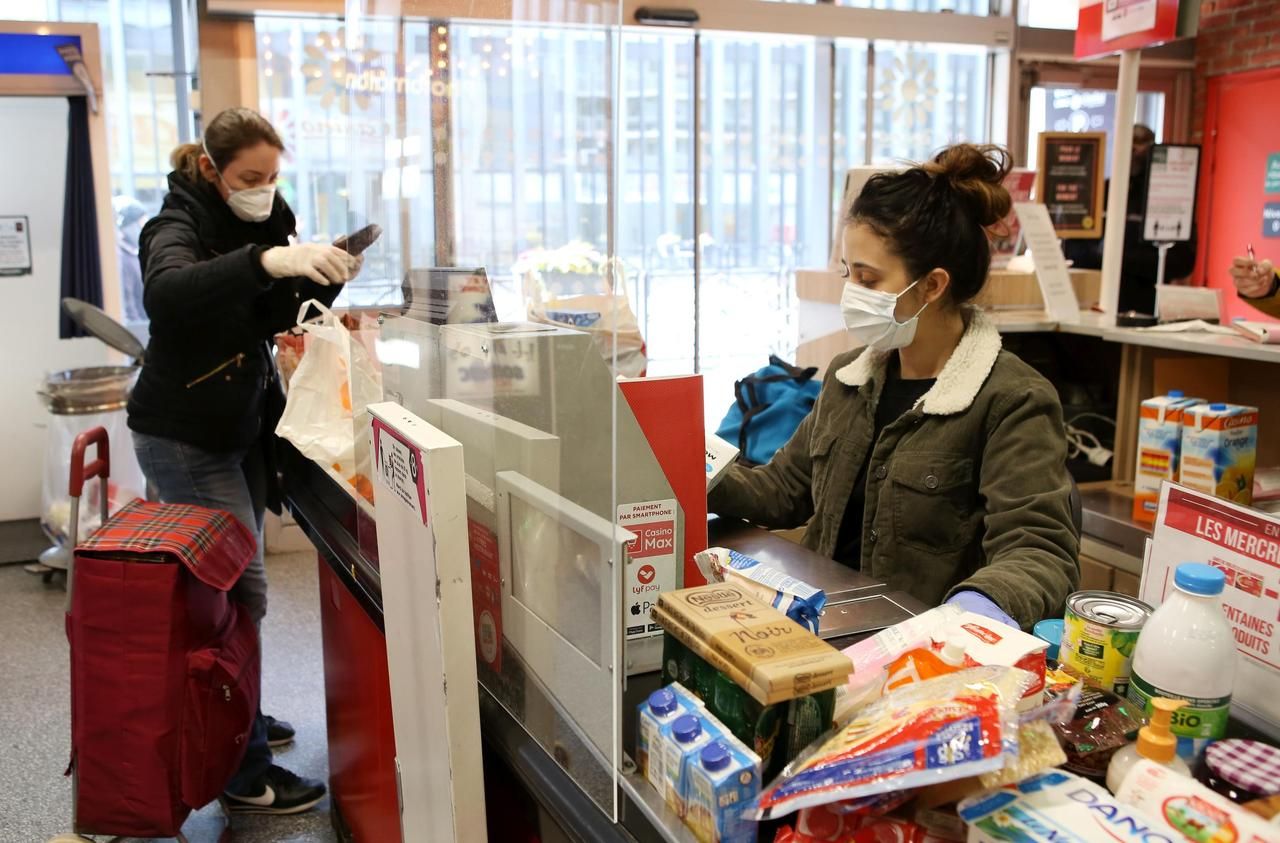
(646, 574)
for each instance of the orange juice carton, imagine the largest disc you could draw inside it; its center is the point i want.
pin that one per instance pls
(1220, 450)
(1159, 449)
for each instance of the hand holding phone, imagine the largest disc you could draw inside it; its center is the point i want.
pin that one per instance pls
(357, 241)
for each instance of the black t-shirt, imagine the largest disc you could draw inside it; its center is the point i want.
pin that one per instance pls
(896, 398)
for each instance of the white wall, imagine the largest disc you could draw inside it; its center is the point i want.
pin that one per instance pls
(33, 156)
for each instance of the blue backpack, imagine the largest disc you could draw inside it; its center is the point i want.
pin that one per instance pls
(769, 405)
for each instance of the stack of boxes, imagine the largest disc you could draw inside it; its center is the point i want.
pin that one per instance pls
(1208, 447)
(748, 689)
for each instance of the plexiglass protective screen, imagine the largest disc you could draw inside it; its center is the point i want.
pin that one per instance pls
(485, 151)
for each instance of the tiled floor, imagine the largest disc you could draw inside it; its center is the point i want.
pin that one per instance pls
(35, 799)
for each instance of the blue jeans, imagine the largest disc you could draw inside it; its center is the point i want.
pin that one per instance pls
(236, 483)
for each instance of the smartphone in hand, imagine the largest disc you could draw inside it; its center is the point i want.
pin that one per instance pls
(357, 241)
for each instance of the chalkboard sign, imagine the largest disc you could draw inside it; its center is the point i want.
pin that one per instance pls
(1070, 181)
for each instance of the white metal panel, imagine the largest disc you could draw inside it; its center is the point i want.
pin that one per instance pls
(426, 601)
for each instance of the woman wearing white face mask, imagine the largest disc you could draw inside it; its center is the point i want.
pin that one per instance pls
(932, 460)
(220, 280)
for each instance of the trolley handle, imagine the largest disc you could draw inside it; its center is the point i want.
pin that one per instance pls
(100, 467)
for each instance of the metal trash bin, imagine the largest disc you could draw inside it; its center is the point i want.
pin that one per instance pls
(79, 400)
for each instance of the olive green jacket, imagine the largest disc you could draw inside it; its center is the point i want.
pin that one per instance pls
(967, 490)
(1270, 303)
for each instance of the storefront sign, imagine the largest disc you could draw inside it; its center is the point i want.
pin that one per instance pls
(15, 246)
(1051, 267)
(1070, 181)
(486, 593)
(1245, 545)
(1271, 184)
(1271, 219)
(1171, 193)
(651, 562)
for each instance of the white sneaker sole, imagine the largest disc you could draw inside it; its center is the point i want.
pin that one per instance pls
(237, 807)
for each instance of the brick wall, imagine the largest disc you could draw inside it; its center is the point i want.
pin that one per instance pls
(1235, 35)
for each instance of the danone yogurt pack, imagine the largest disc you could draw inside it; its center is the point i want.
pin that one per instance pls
(1159, 449)
(1057, 807)
(722, 782)
(1220, 450)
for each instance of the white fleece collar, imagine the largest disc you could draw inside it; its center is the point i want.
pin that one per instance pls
(961, 378)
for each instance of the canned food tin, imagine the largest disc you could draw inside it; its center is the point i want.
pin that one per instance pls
(1100, 630)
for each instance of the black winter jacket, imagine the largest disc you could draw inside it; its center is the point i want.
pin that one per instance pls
(209, 378)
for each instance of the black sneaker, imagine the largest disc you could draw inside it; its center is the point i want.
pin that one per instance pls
(279, 792)
(279, 732)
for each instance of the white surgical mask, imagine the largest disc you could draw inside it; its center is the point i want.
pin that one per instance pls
(871, 318)
(252, 204)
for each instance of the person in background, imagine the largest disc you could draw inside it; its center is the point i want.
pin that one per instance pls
(220, 280)
(130, 217)
(1140, 265)
(933, 460)
(1258, 283)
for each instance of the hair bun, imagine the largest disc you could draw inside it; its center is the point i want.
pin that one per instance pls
(976, 173)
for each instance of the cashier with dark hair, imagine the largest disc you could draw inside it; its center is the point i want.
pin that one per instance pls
(932, 460)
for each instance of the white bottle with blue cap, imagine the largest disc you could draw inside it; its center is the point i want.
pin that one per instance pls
(1187, 651)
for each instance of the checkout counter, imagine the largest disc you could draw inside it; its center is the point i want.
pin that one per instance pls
(556, 450)
(358, 705)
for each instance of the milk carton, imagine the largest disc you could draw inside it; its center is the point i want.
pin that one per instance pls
(682, 742)
(659, 710)
(723, 782)
(1220, 450)
(1159, 450)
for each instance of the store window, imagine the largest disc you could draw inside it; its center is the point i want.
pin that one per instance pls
(849, 136)
(1060, 109)
(335, 124)
(143, 119)
(511, 169)
(765, 199)
(655, 221)
(927, 96)
(530, 136)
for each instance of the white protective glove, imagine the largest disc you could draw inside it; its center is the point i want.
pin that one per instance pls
(322, 263)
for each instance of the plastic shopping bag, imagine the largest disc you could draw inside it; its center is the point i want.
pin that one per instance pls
(607, 316)
(328, 395)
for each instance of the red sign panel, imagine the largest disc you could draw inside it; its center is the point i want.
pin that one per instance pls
(1109, 26)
